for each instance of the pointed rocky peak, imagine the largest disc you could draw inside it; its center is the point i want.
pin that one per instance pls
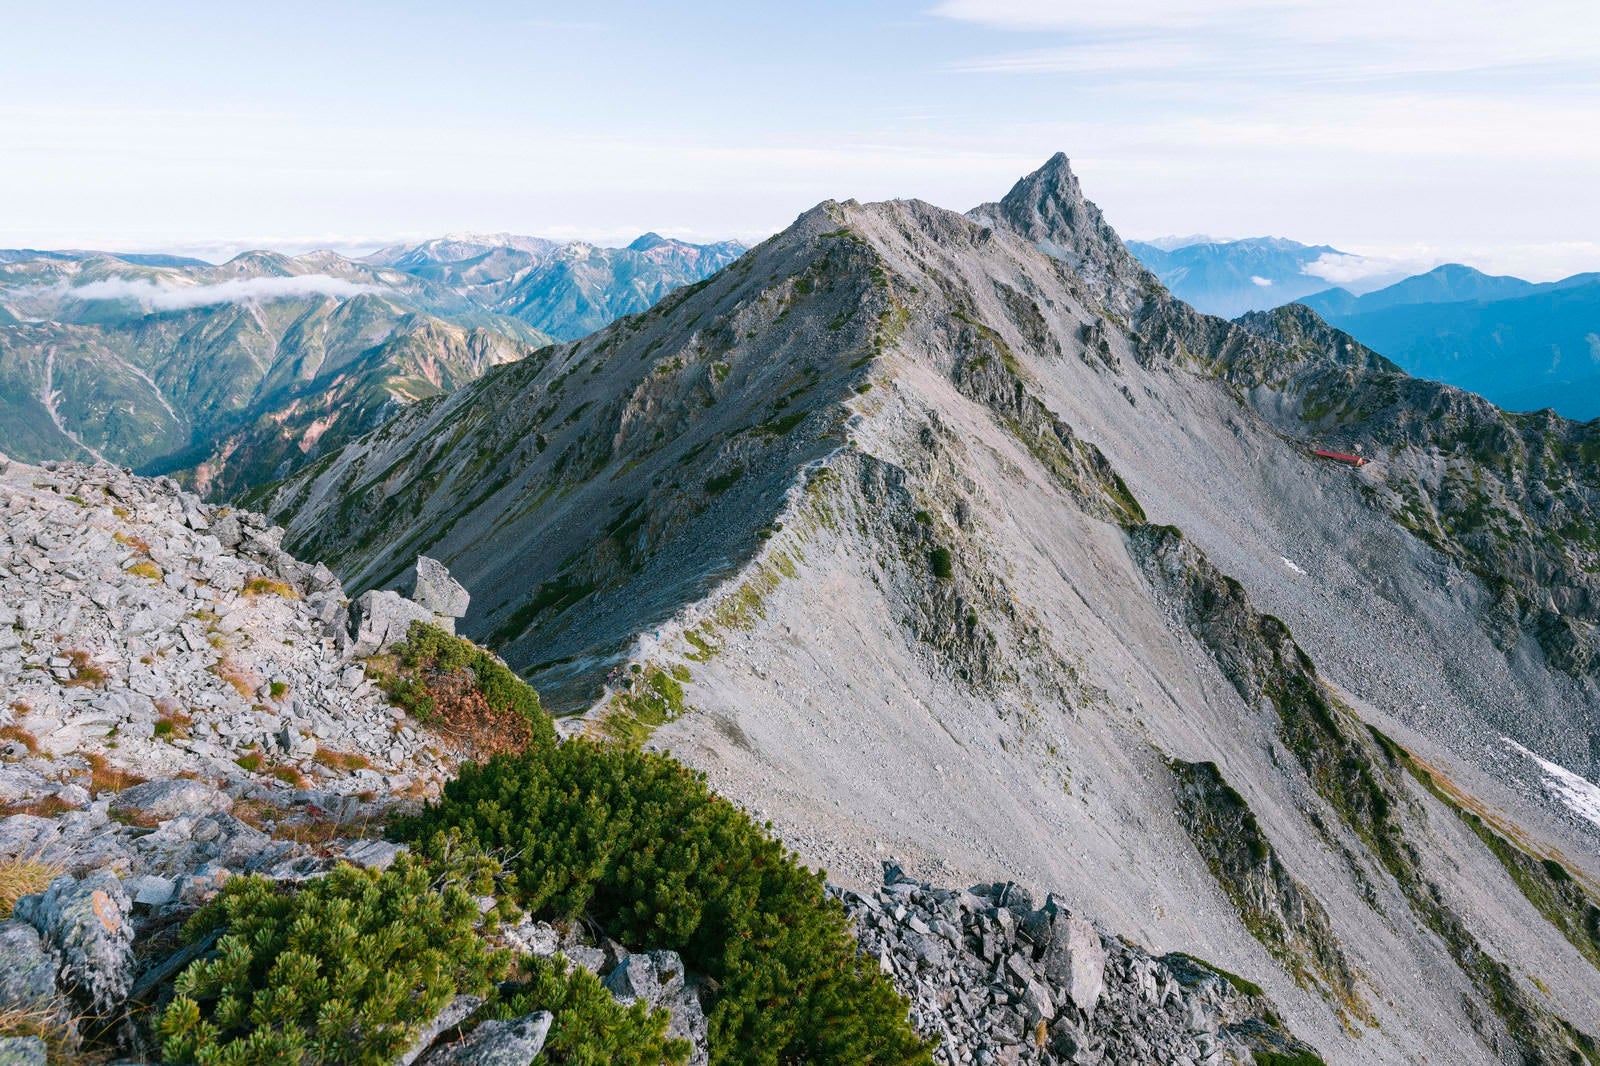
(647, 241)
(1048, 208)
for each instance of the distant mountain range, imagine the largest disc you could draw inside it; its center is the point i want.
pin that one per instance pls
(565, 290)
(1525, 346)
(1521, 344)
(1228, 278)
(234, 374)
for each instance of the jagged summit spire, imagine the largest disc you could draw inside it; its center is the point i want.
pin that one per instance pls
(1048, 207)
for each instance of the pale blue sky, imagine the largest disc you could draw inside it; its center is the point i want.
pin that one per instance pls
(1417, 131)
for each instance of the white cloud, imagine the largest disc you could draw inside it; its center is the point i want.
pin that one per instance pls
(1542, 261)
(1261, 281)
(1348, 40)
(243, 290)
(1342, 268)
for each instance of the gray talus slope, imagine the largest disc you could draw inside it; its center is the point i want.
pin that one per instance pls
(967, 646)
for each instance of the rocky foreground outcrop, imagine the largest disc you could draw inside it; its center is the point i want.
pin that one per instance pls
(146, 634)
(999, 982)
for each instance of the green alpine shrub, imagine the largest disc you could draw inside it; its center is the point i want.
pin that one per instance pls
(443, 678)
(641, 845)
(346, 970)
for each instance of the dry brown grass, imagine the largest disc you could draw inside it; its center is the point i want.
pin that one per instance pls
(262, 586)
(85, 671)
(20, 709)
(242, 680)
(320, 832)
(21, 736)
(49, 807)
(147, 569)
(313, 829)
(55, 1025)
(468, 722)
(289, 776)
(173, 723)
(103, 777)
(347, 761)
(23, 877)
(130, 540)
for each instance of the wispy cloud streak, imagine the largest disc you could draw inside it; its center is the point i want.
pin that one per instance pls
(244, 290)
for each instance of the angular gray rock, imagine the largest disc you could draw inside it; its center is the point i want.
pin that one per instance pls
(455, 1012)
(1041, 987)
(657, 978)
(1076, 961)
(513, 1043)
(374, 854)
(438, 591)
(87, 924)
(163, 800)
(27, 969)
(382, 618)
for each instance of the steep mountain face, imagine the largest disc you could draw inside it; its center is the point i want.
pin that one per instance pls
(565, 290)
(959, 540)
(1228, 278)
(1522, 346)
(229, 375)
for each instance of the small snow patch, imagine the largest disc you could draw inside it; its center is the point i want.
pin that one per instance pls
(1291, 564)
(1578, 793)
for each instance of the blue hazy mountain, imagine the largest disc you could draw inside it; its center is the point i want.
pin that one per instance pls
(1522, 345)
(1229, 278)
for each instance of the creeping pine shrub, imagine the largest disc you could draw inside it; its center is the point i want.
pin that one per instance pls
(443, 678)
(590, 1027)
(641, 845)
(346, 970)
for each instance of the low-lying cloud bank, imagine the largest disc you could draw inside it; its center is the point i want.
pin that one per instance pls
(242, 290)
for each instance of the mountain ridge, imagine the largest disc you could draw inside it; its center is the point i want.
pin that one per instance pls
(923, 540)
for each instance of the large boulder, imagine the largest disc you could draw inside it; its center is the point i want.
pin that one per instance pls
(383, 618)
(87, 924)
(514, 1043)
(438, 591)
(1075, 962)
(657, 978)
(160, 801)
